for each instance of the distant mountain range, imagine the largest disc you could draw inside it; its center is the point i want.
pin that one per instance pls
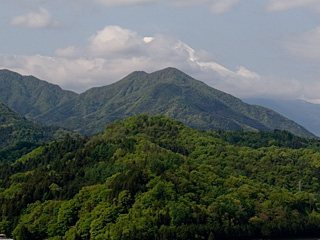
(304, 113)
(169, 92)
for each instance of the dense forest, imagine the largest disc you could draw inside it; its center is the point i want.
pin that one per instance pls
(19, 136)
(151, 177)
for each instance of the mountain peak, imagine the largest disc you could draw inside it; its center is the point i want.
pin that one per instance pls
(169, 92)
(170, 72)
(137, 74)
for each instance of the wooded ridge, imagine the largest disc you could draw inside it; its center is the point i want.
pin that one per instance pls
(151, 177)
(169, 92)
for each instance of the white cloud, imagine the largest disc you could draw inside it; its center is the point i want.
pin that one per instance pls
(120, 3)
(69, 52)
(243, 72)
(306, 45)
(39, 19)
(114, 40)
(222, 6)
(114, 52)
(148, 39)
(282, 5)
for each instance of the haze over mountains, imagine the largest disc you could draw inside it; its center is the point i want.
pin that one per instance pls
(302, 112)
(169, 92)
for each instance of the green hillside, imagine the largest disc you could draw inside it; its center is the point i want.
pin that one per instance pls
(19, 135)
(154, 178)
(169, 92)
(30, 96)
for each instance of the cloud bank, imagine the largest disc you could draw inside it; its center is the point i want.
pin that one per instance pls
(114, 52)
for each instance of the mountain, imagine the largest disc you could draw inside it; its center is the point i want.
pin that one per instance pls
(30, 96)
(304, 113)
(169, 92)
(19, 135)
(151, 177)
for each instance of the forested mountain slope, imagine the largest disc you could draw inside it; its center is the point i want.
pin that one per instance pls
(19, 135)
(304, 113)
(30, 96)
(169, 92)
(154, 178)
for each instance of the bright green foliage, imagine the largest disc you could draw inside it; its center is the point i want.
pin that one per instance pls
(153, 178)
(266, 139)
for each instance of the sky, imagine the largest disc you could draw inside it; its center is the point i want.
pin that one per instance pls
(248, 48)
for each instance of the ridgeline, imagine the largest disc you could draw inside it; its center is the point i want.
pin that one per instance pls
(169, 92)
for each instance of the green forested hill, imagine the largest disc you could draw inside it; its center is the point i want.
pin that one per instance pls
(18, 135)
(154, 178)
(169, 92)
(30, 96)
(266, 139)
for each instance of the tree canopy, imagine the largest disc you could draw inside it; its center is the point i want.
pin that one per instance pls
(151, 177)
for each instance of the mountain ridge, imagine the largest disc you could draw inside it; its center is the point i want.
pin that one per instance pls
(30, 96)
(302, 112)
(15, 128)
(169, 92)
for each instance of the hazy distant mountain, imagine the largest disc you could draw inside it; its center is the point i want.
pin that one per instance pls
(30, 96)
(169, 92)
(304, 113)
(15, 128)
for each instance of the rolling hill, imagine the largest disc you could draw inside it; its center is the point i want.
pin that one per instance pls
(151, 177)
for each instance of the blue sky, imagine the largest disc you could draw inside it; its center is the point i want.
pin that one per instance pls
(249, 48)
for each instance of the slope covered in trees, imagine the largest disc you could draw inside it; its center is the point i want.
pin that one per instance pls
(304, 113)
(169, 92)
(19, 136)
(30, 96)
(258, 139)
(153, 178)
